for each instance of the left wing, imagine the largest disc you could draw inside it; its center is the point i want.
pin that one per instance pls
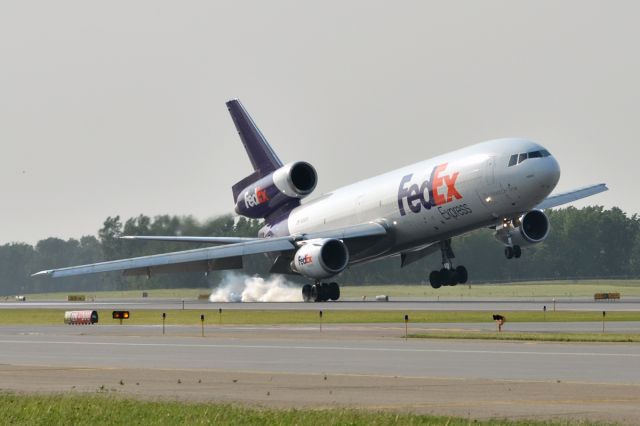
(213, 258)
(207, 240)
(570, 196)
(187, 257)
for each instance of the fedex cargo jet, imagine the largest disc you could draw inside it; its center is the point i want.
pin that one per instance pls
(408, 213)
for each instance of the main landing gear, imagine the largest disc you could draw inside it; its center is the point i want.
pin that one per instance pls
(320, 292)
(448, 275)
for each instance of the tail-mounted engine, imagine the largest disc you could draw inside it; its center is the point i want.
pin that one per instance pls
(532, 228)
(288, 184)
(321, 258)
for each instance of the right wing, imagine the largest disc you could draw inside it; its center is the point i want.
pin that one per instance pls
(213, 258)
(570, 196)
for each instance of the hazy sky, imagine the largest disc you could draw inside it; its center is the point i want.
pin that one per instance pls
(117, 108)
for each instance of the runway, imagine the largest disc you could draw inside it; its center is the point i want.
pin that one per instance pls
(354, 365)
(370, 366)
(453, 304)
(323, 353)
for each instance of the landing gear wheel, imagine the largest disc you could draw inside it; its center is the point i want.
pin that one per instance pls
(434, 279)
(517, 252)
(448, 275)
(306, 292)
(316, 292)
(325, 292)
(334, 291)
(461, 274)
(508, 252)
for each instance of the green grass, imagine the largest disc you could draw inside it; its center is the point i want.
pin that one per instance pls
(165, 293)
(230, 316)
(547, 289)
(533, 337)
(519, 290)
(107, 410)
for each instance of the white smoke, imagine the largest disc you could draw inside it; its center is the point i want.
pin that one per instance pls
(243, 288)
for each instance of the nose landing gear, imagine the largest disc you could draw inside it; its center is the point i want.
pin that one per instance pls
(448, 275)
(512, 251)
(320, 292)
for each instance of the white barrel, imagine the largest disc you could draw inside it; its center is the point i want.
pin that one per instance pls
(80, 317)
(382, 298)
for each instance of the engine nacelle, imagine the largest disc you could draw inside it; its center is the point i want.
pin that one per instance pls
(291, 182)
(532, 228)
(321, 258)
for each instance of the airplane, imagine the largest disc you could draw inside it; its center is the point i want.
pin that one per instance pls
(410, 213)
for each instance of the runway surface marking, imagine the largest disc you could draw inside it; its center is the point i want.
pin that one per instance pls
(325, 348)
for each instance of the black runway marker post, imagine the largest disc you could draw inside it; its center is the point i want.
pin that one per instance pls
(320, 320)
(202, 322)
(164, 317)
(406, 326)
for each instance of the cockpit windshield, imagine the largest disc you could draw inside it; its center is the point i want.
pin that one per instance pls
(519, 158)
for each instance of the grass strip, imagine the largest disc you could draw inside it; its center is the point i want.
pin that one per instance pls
(64, 409)
(532, 336)
(271, 317)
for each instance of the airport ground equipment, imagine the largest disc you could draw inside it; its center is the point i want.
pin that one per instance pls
(80, 317)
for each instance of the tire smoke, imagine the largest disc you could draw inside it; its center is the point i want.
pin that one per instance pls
(236, 287)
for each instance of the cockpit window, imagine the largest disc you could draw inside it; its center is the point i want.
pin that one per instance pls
(519, 158)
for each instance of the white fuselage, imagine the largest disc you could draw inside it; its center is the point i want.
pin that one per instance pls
(438, 198)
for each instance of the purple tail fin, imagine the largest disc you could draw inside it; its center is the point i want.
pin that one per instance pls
(261, 155)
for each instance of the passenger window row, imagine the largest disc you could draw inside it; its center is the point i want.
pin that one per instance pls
(519, 158)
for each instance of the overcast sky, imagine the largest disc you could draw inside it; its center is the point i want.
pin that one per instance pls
(117, 108)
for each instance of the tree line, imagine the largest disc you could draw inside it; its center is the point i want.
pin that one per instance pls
(590, 242)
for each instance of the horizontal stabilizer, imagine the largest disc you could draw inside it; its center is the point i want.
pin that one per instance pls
(571, 196)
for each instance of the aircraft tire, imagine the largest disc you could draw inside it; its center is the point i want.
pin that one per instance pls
(508, 252)
(517, 252)
(461, 274)
(306, 292)
(325, 292)
(334, 291)
(434, 279)
(447, 277)
(316, 293)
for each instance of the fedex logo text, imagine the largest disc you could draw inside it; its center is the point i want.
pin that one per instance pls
(252, 199)
(429, 193)
(304, 260)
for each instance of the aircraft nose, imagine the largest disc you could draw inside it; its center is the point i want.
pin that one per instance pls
(550, 173)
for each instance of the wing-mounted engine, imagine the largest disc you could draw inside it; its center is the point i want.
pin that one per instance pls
(321, 258)
(531, 228)
(287, 185)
